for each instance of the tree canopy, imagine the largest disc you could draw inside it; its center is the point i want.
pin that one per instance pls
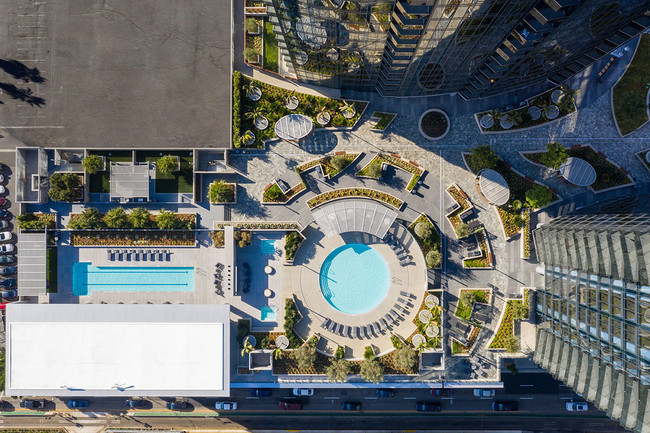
(64, 187)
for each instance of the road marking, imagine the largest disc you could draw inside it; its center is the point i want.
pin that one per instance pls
(371, 398)
(331, 398)
(566, 398)
(252, 398)
(525, 385)
(525, 398)
(410, 398)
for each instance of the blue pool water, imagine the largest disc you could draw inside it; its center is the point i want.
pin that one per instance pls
(354, 278)
(87, 278)
(267, 314)
(267, 246)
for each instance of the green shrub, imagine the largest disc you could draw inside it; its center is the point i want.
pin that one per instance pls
(485, 156)
(140, 218)
(236, 107)
(305, 356)
(266, 343)
(374, 170)
(511, 344)
(291, 243)
(434, 259)
(339, 162)
(368, 353)
(397, 343)
(340, 352)
(468, 297)
(291, 316)
(555, 155)
(221, 192)
(338, 370)
(518, 221)
(405, 358)
(167, 164)
(29, 221)
(167, 220)
(538, 196)
(519, 311)
(64, 187)
(250, 54)
(117, 218)
(372, 371)
(463, 230)
(516, 205)
(274, 193)
(93, 163)
(243, 238)
(423, 230)
(252, 25)
(90, 218)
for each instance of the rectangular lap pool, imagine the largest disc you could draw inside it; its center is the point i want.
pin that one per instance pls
(87, 278)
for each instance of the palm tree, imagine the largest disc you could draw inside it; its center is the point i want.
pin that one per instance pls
(249, 88)
(246, 137)
(348, 110)
(247, 347)
(278, 353)
(420, 347)
(517, 116)
(257, 113)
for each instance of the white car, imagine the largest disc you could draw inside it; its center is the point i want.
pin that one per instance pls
(483, 393)
(2, 178)
(576, 406)
(6, 248)
(4, 224)
(226, 405)
(303, 391)
(5, 236)
(2, 189)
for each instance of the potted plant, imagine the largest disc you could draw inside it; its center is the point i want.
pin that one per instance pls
(323, 117)
(506, 122)
(259, 120)
(248, 138)
(348, 110)
(291, 102)
(252, 91)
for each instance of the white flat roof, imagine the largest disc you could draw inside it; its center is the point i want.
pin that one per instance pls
(117, 350)
(32, 264)
(354, 215)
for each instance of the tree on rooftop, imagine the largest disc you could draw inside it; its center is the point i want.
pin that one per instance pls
(434, 259)
(167, 220)
(305, 356)
(511, 344)
(555, 155)
(538, 196)
(167, 164)
(93, 163)
(405, 358)
(64, 187)
(485, 157)
(338, 370)
(339, 162)
(423, 230)
(519, 310)
(90, 218)
(463, 230)
(220, 192)
(117, 218)
(372, 371)
(140, 218)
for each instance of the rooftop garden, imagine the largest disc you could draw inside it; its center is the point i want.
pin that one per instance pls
(271, 50)
(504, 338)
(630, 93)
(551, 105)
(270, 103)
(36, 221)
(432, 316)
(177, 180)
(461, 198)
(355, 192)
(458, 348)
(428, 238)
(274, 194)
(100, 181)
(466, 302)
(382, 120)
(253, 41)
(373, 168)
(608, 175)
(292, 242)
(486, 259)
(330, 165)
(221, 192)
(137, 218)
(66, 187)
(132, 238)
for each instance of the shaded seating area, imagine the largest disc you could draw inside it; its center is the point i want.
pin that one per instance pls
(578, 172)
(492, 187)
(153, 255)
(471, 246)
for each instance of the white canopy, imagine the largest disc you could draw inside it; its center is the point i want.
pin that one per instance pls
(578, 171)
(493, 187)
(293, 127)
(354, 215)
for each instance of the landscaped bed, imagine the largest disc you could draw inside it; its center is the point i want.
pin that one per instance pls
(382, 120)
(330, 165)
(608, 175)
(36, 221)
(431, 342)
(642, 156)
(270, 48)
(274, 194)
(434, 124)
(506, 327)
(463, 201)
(485, 261)
(427, 243)
(629, 94)
(272, 102)
(177, 182)
(465, 311)
(355, 192)
(132, 238)
(526, 235)
(396, 161)
(458, 348)
(287, 364)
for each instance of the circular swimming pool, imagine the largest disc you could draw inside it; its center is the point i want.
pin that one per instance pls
(354, 278)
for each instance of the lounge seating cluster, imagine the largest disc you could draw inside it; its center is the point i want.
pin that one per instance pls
(138, 255)
(398, 249)
(222, 278)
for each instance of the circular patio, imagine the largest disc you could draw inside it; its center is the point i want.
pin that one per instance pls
(293, 127)
(578, 172)
(493, 187)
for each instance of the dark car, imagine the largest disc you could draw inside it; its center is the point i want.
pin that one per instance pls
(9, 258)
(261, 392)
(9, 282)
(427, 406)
(290, 405)
(351, 405)
(441, 392)
(385, 392)
(4, 213)
(177, 405)
(134, 402)
(2, 201)
(77, 404)
(503, 406)
(8, 270)
(9, 293)
(32, 404)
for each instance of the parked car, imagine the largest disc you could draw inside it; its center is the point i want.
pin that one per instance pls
(504, 406)
(9, 282)
(77, 404)
(9, 258)
(576, 406)
(303, 392)
(290, 405)
(177, 405)
(428, 406)
(3, 201)
(134, 402)
(13, 293)
(483, 393)
(6, 248)
(441, 392)
(226, 405)
(32, 404)
(4, 213)
(4, 224)
(8, 270)
(6, 236)
(3, 190)
(351, 405)
(260, 392)
(385, 392)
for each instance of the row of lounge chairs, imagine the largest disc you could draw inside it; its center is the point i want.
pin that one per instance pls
(375, 329)
(138, 255)
(398, 249)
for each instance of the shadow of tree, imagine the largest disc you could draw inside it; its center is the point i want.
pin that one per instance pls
(20, 71)
(23, 94)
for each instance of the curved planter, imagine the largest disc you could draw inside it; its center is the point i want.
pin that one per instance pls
(261, 123)
(255, 95)
(323, 118)
(427, 136)
(534, 112)
(552, 112)
(487, 121)
(506, 122)
(349, 193)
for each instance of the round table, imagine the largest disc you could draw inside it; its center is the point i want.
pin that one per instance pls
(293, 127)
(268, 293)
(268, 270)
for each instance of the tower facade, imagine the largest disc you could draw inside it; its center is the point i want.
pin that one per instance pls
(475, 47)
(593, 312)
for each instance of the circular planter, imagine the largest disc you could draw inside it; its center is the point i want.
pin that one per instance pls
(251, 339)
(506, 122)
(292, 102)
(556, 96)
(350, 113)
(487, 121)
(261, 123)
(434, 124)
(282, 342)
(418, 339)
(332, 55)
(251, 138)
(552, 112)
(323, 118)
(431, 301)
(534, 112)
(432, 331)
(255, 95)
(302, 58)
(425, 316)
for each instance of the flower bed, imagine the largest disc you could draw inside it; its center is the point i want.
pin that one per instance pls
(382, 120)
(272, 102)
(465, 311)
(485, 261)
(508, 217)
(398, 162)
(282, 197)
(325, 163)
(463, 201)
(355, 192)
(257, 225)
(608, 174)
(132, 238)
(526, 235)
(433, 242)
(629, 93)
(506, 327)
(522, 113)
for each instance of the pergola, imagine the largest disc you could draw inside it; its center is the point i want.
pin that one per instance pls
(493, 187)
(354, 215)
(129, 181)
(293, 127)
(32, 264)
(578, 172)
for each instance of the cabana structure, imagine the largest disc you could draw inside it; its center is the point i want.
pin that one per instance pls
(493, 187)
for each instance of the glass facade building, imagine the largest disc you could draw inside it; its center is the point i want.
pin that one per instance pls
(593, 312)
(475, 47)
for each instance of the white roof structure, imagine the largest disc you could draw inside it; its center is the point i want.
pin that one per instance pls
(129, 181)
(354, 215)
(578, 172)
(32, 264)
(493, 187)
(293, 127)
(117, 350)
(311, 32)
